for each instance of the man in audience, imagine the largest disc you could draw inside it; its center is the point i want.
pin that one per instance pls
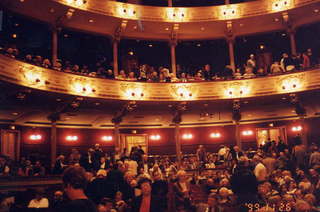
(75, 182)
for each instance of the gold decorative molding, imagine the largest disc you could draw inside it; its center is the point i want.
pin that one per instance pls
(184, 14)
(24, 74)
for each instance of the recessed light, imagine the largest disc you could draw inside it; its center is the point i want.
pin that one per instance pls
(276, 19)
(150, 45)
(316, 10)
(14, 35)
(91, 20)
(241, 25)
(97, 103)
(58, 100)
(284, 98)
(65, 35)
(21, 0)
(202, 28)
(167, 28)
(16, 24)
(198, 44)
(135, 27)
(14, 113)
(51, 10)
(283, 34)
(245, 102)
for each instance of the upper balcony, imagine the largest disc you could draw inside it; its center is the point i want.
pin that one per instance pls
(160, 22)
(24, 74)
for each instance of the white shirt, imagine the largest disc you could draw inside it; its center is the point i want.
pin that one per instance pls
(42, 203)
(133, 167)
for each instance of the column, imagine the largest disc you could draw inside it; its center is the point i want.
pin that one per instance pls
(116, 135)
(238, 135)
(178, 143)
(304, 135)
(115, 57)
(227, 1)
(53, 143)
(173, 44)
(293, 46)
(54, 45)
(170, 3)
(230, 41)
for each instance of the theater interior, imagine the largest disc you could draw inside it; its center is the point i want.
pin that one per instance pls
(162, 105)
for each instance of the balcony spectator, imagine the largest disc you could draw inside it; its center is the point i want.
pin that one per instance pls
(276, 68)
(28, 59)
(74, 157)
(10, 53)
(251, 62)
(198, 77)
(122, 75)
(207, 72)
(58, 201)
(286, 63)
(248, 73)
(297, 61)
(46, 63)
(227, 72)
(84, 70)
(183, 77)
(237, 74)
(37, 60)
(57, 65)
(166, 74)
(306, 61)
(314, 160)
(75, 69)
(313, 59)
(109, 74)
(131, 76)
(154, 77)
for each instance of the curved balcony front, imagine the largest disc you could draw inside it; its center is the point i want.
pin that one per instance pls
(24, 74)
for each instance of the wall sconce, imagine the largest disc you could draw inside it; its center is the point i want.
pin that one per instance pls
(78, 3)
(127, 11)
(184, 92)
(35, 137)
(107, 138)
(155, 137)
(280, 5)
(83, 88)
(296, 129)
(72, 138)
(247, 132)
(290, 84)
(176, 14)
(229, 12)
(134, 93)
(215, 135)
(187, 136)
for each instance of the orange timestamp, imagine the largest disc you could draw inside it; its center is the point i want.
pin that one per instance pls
(282, 207)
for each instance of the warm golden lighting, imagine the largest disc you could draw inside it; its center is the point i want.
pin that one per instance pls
(35, 137)
(127, 11)
(72, 138)
(184, 92)
(237, 91)
(187, 136)
(296, 129)
(215, 135)
(176, 15)
(134, 93)
(290, 84)
(229, 12)
(281, 5)
(107, 138)
(83, 88)
(247, 132)
(155, 137)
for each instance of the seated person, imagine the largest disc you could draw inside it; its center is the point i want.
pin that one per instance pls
(39, 201)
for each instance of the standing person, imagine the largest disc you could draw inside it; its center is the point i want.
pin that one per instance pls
(299, 153)
(75, 182)
(97, 155)
(182, 192)
(147, 202)
(207, 73)
(201, 155)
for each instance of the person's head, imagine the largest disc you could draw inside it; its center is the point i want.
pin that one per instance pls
(97, 146)
(118, 195)
(310, 198)
(156, 176)
(207, 67)
(38, 163)
(182, 176)
(101, 173)
(145, 186)
(302, 206)
(102, 160)
(74, 180)
(58, 195)
(131, 74)
(107, 204)
(28, 57)
(109, 72)
(39, 193)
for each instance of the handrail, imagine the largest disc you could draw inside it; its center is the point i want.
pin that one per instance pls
(24, 74)
(184, 14)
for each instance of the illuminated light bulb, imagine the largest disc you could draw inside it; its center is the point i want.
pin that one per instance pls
(284, 87)
(294, 85)
(190, 94)
(181, 94)
(133, 94)
(141, 94)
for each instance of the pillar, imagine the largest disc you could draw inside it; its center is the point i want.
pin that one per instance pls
(238, 135)
(170, 3)
(54, 45)
(227, 1)
(230, 42)
(173, 44)
(115, 57)
(53, 143)
(304, 135)
(178, 143)
(293, 46)
(116, 135)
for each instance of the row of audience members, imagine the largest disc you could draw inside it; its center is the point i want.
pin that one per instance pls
(273, 178)
(148, 73)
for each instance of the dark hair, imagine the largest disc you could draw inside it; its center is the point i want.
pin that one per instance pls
(144, 180)
(75, 177)
(244, 182)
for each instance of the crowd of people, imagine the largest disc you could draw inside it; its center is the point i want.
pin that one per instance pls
(275, 177)
(146, 73)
